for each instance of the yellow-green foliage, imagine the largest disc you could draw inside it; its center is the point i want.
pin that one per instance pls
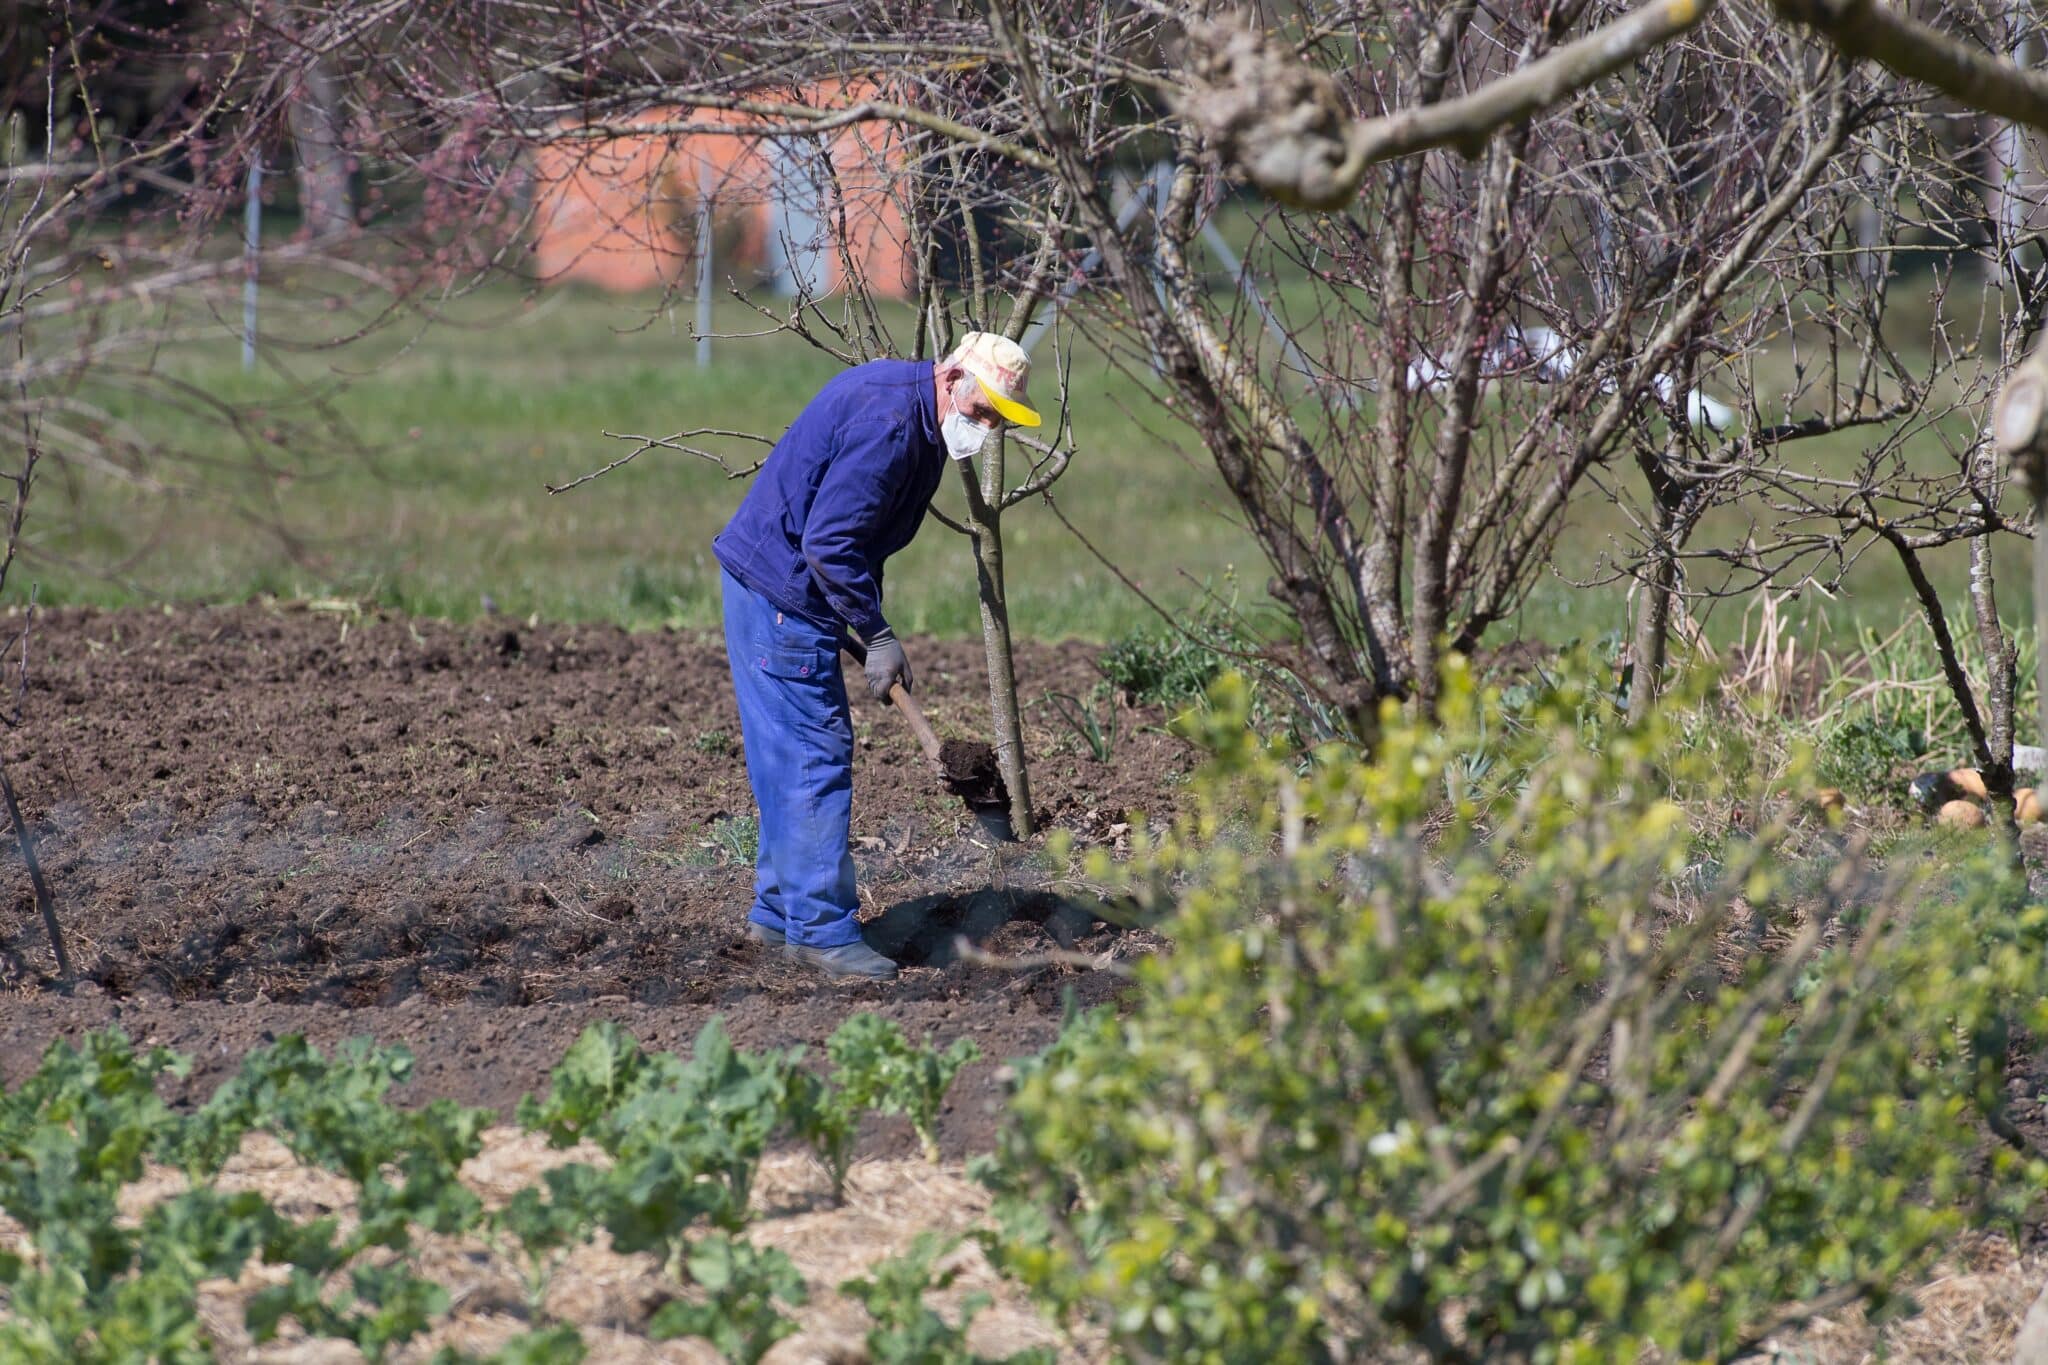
(1460, 1049)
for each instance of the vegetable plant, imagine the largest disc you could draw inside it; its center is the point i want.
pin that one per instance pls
(907, 1331)
(884, 1070)
(741, 1285)
(683, 1139)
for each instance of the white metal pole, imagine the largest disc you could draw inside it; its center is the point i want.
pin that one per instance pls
(703, 269)
(1231, 262)
(1127, 215)
(252, 236)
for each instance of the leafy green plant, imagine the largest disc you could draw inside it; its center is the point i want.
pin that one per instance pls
(406, 1165)
(907, 1331)
(93, 1287)
(685, 1138)
(557, 1344)
(882, 1069)
(78, 1131)
(696, 1134)
(825, 1115)
(1160, 665)
(742, 1283)
(1863, 754)
(1487, 1069)
(602, 1069)
(550, 1220)
(737, 838)
(384, 1306)
(331, 1113)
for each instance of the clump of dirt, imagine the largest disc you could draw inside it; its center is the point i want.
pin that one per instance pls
(971, 773)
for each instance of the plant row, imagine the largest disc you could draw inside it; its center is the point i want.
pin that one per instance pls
(671, 1146)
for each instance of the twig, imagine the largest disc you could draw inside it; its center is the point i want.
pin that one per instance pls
(674, 442)
(1050, 957)
(44, 902)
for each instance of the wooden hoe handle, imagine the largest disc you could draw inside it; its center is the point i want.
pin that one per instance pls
(918, 723)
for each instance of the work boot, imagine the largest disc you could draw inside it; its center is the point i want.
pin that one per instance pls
(855, 960)
(762, 934)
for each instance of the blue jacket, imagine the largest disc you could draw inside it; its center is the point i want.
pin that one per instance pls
(845, 488)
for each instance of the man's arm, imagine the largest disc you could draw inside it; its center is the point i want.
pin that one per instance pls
(846, 518)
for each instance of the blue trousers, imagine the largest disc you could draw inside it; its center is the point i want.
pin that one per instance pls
(798, 734)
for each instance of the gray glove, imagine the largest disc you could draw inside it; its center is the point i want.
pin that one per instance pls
(886, 663)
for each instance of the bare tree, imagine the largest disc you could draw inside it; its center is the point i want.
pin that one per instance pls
(1483, 339)
(1533, 239)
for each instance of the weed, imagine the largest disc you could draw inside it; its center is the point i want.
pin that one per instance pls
(1097, 732)
(1159, 665)
(716, 743)
(1863, 754)
(737, 838)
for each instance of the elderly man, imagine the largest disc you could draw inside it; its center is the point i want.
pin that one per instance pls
(845, 488)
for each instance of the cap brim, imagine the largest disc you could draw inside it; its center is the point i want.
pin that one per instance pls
(1013, 412)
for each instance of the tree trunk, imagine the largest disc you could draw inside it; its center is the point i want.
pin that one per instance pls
(2039, 497)
(326, 205)
(1653, 627)
(985, 515)
(2000, 665)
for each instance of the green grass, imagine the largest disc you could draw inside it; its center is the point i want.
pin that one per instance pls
(439, 497)
(462, 425)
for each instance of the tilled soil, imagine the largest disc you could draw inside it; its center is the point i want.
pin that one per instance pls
(477, 839)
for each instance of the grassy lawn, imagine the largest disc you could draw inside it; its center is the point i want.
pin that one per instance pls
(439, 498)
(460, 426)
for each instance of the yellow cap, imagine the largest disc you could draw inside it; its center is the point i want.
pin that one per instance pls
(1002, 369)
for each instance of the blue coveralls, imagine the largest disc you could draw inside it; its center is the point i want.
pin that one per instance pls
(845, 488)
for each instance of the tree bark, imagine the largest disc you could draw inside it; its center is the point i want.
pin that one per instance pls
(1451, 457)
(2000, 665)
(1653, 626)
(985, 515)
(326, 204)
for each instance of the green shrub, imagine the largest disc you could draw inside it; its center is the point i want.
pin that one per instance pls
(1166, 666)
(1459, 1051)
(1864, 754)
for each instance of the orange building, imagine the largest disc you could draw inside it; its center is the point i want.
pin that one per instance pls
(621, 212)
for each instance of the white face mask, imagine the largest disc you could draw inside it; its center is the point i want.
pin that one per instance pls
(963, 438)
(962, 434)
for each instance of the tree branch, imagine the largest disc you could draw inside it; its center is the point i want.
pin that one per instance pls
(1980, 79)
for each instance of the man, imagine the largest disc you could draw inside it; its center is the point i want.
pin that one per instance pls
(845, 488)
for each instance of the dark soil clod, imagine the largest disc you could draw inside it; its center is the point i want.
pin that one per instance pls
(970, 772)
